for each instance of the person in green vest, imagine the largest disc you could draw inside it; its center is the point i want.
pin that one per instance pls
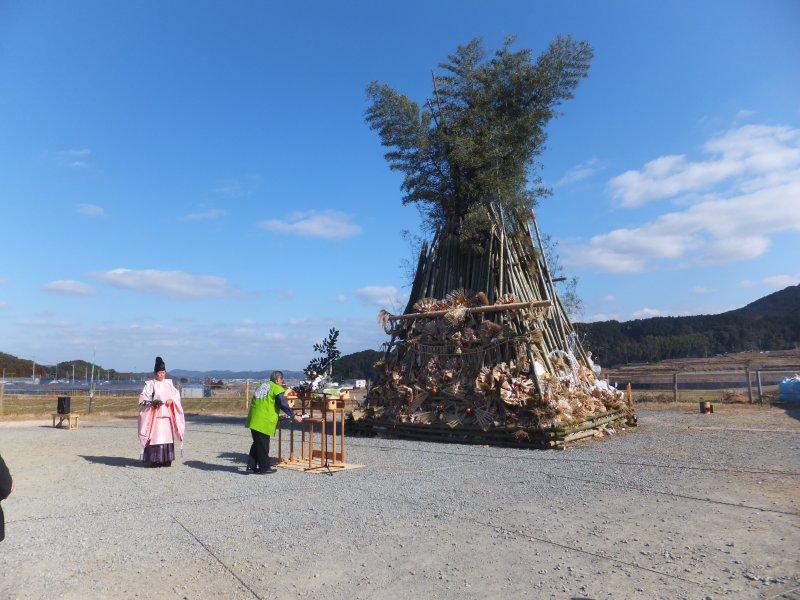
(263, 421)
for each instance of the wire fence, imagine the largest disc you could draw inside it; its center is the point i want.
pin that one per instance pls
(735, 386)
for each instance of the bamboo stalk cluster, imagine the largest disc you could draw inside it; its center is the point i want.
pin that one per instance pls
(485, 341)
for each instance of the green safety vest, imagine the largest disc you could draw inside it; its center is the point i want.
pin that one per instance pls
(263, 415)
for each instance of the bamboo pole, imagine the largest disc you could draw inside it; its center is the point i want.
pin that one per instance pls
(473, 310)
(502, 260)
(486, 287)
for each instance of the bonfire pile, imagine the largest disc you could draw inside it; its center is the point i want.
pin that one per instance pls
(464, 361)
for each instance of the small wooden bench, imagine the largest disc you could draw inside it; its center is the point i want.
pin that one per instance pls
(71, 418)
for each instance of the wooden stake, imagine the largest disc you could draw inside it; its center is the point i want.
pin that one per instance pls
(675, 386)
(758, 379)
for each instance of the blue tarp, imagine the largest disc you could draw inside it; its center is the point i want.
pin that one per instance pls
(790, 389)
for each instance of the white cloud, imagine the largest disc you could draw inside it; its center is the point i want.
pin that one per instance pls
(238, 188)
(379, 295)
(751, 150)
(744, 114)
(774, 282)
(172, 284)
(608, 298)
(69, 287)
(646, 313)
(341, 298)
(281, 293)
(206, 215)
(254, 332)
(781, 281)
(308, 321)
(188, 343)
(732, 225)
(330, 224)
(74, 157)
(90, 210)
(75, 152)
(3, 304)
(701, 289)
(580, 172)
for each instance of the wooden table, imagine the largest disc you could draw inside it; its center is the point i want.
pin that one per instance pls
(71, 418)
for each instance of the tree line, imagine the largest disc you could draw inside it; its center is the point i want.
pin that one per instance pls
(649, 340)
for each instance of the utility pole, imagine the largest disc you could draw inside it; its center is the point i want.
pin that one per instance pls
(33, 371)
(73, 373)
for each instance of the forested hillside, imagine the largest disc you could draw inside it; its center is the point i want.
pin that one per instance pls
(359, 365)
(770, 323)
(22, 367)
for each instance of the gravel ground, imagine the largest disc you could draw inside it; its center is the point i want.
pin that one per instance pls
(685, 506)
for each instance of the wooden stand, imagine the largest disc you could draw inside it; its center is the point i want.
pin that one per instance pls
(71, 418)
(318, 456)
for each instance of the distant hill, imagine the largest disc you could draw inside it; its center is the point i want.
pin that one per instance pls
(21, 367)
(778, 304)
(233, 374)
(359, 365)
(769, 323)
(18, 367)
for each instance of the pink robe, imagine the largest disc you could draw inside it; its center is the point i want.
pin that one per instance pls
(165, 424)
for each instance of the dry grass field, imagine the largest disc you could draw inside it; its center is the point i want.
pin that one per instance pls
(776, 359)
(20, 407)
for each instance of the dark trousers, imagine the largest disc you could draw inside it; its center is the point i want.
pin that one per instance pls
(259, 452)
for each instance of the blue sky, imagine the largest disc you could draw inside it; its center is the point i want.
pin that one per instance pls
(195, 179)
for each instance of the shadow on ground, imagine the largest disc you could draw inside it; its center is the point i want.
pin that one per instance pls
(114, 461)
(790, 408)
(204, 419)
(234, 457)
(233, 463)
(210, 419)
(206, 466)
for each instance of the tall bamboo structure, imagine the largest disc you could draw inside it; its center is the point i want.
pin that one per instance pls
(485, 350)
